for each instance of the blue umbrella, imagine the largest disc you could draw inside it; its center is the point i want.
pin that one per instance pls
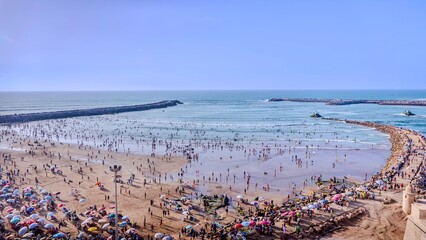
(47, 197)
(30, 209)
(15, 220)
(123, 224)
(27, 194)
(32, 226)
(9, 216)
(50, 214)
(49, 225)
(245, 224)
(22, 231)
(59, 235)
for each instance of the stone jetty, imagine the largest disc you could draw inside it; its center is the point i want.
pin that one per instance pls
(28, 117)
(352, 101)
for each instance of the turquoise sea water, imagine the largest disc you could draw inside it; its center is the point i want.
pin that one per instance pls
(242, 122)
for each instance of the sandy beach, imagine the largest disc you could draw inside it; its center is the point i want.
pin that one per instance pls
(77, 177)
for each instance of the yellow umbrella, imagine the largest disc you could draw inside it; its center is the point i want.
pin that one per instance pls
(92, 229)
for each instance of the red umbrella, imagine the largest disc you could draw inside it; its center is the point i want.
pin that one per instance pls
(252, 223)
(238, 226)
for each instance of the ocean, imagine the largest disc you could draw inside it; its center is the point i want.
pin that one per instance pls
(233, 131)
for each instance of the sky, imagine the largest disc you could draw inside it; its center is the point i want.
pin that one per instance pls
(211, 45)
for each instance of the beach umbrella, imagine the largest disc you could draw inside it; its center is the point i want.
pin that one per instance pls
(218, 225)
(47, 197)
(123, 224)
(183, 199)
(254, 203)
(252, 223)
(30, 209)
(305, 208)
(111, 215)
(34, 216)
(49, 226)
(185, 212)
(238, 226)
(323, 201)
(10, 200)
(130, 230)
(32, 226)
(162, 196)
(41, 220)
(349, 193)
(83, 200)
(9, 216)
(16, 191)
(105, 225)
(9, 210)
(50, 214)
(59, 235)
(311, 206)
(30, 221)
(22, 231)
(245, 224)
(27, 194)
(43, 202)
(102, 220)
(264, 222)
(380, 182)
(92, 229)
(337, 197)
(14, 220)
(17, 217)
(240, 196)
(16, 213)
(125, 217)
(159, 235)
(28, 235)
(167, 238)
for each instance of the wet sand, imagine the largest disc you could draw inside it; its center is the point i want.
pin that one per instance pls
(162, 173)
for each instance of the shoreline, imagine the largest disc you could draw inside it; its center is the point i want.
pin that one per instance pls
(397, 136)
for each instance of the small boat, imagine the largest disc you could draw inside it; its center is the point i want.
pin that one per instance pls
(316, 115)
(408, 113)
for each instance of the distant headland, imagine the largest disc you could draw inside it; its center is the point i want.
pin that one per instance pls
(28, 117)
(352, 101)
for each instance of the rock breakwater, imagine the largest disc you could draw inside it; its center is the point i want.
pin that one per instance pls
(28, 117)
(352, 101)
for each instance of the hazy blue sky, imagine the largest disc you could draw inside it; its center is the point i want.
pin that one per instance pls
(144, 45)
